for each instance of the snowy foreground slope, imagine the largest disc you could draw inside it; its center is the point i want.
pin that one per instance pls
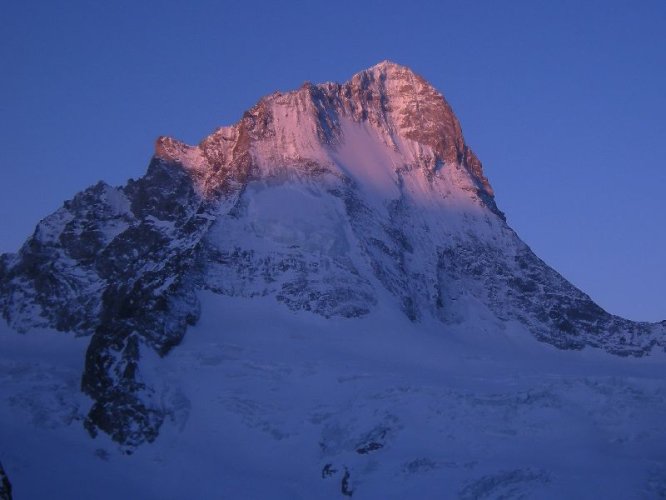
(323, 297)
(270, 403)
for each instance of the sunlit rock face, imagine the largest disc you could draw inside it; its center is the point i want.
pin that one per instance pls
(334, 199)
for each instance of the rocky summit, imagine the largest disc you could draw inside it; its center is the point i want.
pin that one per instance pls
(336, 201)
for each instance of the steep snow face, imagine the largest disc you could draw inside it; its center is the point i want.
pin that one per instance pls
(338, 199)
(292, 241)
(365, 159)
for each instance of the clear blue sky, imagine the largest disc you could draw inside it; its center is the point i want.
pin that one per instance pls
(564, 102)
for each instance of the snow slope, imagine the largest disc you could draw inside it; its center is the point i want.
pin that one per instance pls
(269, 403)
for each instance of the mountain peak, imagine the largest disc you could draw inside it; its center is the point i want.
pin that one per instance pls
(385, 72)
(417, 111)
(334, 199)
(389, 67)
(391, 71)
(400, 109)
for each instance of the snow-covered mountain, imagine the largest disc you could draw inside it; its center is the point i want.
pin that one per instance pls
(336, 208)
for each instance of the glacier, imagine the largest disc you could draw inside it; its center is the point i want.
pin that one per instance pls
(265, 402)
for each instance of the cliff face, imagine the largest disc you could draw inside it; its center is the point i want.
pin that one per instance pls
(334, 199)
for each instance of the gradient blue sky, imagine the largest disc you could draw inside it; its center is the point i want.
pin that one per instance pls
(563, 101)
